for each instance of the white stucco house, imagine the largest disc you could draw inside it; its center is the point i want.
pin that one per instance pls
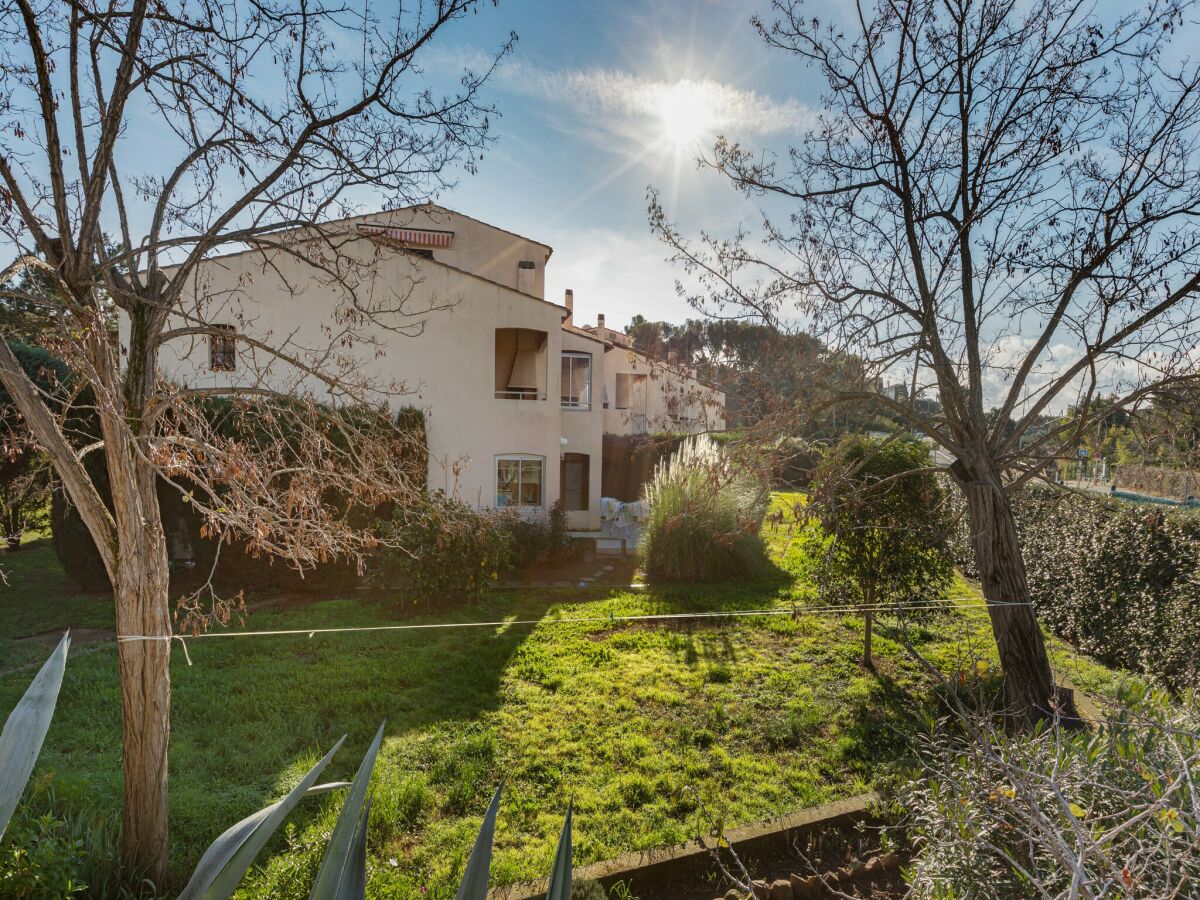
(517, 396)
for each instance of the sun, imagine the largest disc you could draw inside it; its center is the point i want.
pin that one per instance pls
(686, 112)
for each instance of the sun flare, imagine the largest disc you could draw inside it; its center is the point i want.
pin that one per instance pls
(686, 113)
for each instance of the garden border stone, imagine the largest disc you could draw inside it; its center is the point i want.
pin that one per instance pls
(649, 868)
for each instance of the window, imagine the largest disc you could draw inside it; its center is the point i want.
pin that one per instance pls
(222, 349)
(576, 380)
(575, 475)
(631, 391)
(521, 356)
(519, 480)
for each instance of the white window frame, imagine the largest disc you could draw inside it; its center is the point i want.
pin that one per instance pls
(576, 404)
(523, 458)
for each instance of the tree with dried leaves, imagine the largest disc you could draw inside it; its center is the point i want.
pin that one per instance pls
(138, 140)
(999, 201)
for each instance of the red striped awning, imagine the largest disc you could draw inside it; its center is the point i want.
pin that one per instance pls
(410, 237)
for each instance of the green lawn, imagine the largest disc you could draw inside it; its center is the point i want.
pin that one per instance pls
(758, 716)
(36, 597)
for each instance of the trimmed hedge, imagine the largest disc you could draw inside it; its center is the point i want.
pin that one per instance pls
(237, 569)
(1120, 581)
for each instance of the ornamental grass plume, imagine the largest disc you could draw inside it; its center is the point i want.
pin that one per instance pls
(705, 515)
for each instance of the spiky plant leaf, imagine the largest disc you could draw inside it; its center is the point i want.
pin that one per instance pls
(339, 863)
(475, 879)
(560, 875)
(25, 730)
(353, 885)
(231, 855)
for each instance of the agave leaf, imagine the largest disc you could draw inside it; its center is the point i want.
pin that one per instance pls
(353, 885)
(231, 855)
(475, 879)
(339, 863)
(25, 730)
(560, 875)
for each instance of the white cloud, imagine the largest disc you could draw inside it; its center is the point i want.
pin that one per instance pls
(615, 96)
(620, 94)
(615, 273)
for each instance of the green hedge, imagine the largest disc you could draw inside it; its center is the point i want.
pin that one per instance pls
(237, 569)
(1120, 581)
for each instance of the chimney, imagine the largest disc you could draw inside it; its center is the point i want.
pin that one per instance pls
(525, 275)
(569, 303)
(601, 331)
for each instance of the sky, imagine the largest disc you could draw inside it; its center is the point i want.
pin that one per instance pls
(600, 101)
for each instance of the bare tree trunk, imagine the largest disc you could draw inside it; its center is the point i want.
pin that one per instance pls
(868, 622)
(142, 597)
(1028, 682)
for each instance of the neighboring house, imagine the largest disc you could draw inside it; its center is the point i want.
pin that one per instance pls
(517, 398)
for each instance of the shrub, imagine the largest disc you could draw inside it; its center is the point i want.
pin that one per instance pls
(884, 516)
(25, 472)
(1119, 581)
(1054, 813)
(705, 516)
(444, 552)
(796, 463)
(536, 541)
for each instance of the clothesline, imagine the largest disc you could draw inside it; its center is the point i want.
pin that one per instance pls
(794, 612)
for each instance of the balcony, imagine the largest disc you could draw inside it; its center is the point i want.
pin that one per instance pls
(521, 357)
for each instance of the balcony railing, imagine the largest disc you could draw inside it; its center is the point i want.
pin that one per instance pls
(520, 395)
(568, 403)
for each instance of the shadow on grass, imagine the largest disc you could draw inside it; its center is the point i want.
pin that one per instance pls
(251, 714)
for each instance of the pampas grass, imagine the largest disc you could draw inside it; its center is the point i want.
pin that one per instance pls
(705, 517)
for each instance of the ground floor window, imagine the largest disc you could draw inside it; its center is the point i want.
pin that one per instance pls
(575, 491)
(520, 480)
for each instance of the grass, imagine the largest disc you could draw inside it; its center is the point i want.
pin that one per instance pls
(633, 721)
(37, 597)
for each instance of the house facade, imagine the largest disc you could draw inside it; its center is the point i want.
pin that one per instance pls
(517, 397)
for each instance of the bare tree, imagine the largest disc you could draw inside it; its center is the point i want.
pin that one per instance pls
(139, 139)
(998, 204)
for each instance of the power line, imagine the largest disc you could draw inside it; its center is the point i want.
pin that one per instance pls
(793, 612)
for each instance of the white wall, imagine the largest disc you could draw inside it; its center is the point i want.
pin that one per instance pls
(674, 401)
(448, 370)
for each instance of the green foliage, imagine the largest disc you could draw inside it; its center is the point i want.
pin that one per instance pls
(226, 861)
(25, 472)
(763, 369)
(705, 517)
(757, 715)
(535, 540)
(475, 880)
(344, 866)
(444, 553)
(39, 860)
(886, 521)
(1120, 581)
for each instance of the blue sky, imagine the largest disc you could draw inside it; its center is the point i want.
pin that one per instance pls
(591, 115)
